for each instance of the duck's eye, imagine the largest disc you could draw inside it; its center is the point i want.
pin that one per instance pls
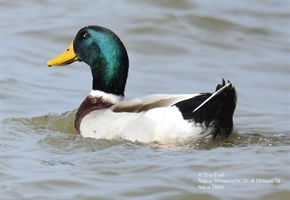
(86, 35)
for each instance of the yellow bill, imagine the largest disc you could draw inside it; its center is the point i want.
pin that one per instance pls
(65, 58)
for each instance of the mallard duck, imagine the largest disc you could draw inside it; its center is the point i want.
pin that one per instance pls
(160, 118)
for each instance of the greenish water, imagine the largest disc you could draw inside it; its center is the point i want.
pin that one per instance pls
(174, 47)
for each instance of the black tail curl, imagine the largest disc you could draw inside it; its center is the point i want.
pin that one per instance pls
(213, 110)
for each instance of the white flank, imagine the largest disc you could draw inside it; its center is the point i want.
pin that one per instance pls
(164, 125)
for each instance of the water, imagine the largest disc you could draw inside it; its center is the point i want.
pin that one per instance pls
(174, 47)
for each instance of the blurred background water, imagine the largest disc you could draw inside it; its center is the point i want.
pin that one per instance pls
(174, 47)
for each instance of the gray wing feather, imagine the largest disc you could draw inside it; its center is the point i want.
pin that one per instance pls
(149, 102)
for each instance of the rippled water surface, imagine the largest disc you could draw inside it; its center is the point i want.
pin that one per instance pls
(174, 47)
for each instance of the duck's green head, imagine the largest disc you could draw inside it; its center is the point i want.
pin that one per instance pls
(104, 52)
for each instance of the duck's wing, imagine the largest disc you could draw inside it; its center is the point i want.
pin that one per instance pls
(151, 101)
(188, 104)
